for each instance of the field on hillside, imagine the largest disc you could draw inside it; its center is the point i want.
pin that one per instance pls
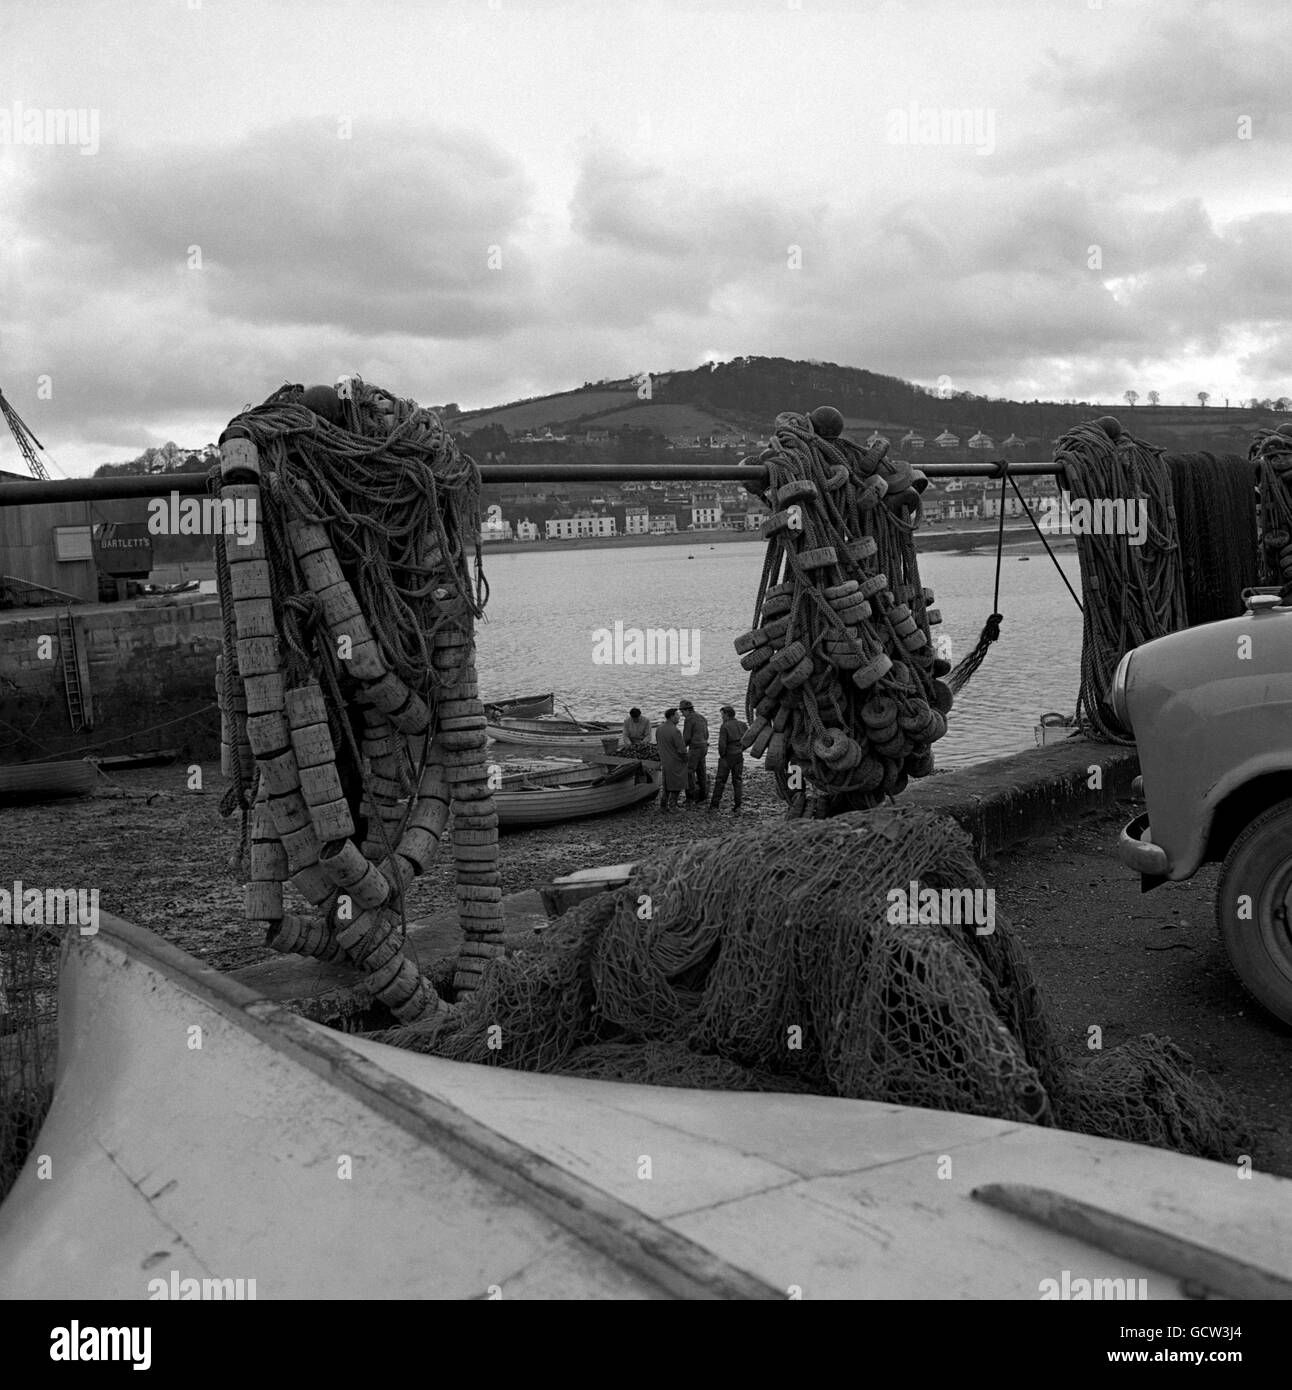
(549, 410)
(668, 420)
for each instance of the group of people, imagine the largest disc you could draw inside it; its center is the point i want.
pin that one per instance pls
(682, 742)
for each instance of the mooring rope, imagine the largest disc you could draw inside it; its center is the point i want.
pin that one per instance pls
(1215, 512)
(1132, 592)
(990, 633)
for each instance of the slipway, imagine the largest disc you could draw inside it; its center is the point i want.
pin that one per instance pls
(199, 1131)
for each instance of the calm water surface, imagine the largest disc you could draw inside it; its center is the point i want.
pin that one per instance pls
(546, 604)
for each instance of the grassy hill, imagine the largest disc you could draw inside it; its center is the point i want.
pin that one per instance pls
(743, 397)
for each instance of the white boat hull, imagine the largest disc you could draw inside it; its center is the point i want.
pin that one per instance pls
(546, 738)
(552, 805)
(201, 1132)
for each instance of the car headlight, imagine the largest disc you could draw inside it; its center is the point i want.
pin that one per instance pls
(1117, 700)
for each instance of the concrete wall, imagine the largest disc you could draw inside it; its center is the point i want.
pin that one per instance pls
(141, 665)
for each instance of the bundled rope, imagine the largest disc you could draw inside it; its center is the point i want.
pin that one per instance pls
(1216, 518)
(791, 959)
(347, 685)
(1271, 452)
(1132, 592)
(844, 696)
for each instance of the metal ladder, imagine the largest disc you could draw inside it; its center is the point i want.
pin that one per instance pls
(71, 671)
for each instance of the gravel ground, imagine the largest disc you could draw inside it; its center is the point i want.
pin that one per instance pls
(1105, 954)
(159, 854)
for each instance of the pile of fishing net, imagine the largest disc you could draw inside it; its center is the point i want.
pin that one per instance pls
(791, 959)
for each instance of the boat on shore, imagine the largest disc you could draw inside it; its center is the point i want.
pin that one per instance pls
(522, 706)
(187, 1170)
(552, 733)
(552, 795)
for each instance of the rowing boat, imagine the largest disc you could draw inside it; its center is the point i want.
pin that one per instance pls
(521, 706)
(47, 781)
(551, 733)
(204, 1134)
(561, 794)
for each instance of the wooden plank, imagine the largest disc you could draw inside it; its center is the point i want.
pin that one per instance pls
(1209, 1270)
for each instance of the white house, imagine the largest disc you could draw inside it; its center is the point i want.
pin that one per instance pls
(636, 521)
(981, 441)
(911, 440)
(527, 530)
(663, 524)
(947, 440)
(496, 530)
(706, 518)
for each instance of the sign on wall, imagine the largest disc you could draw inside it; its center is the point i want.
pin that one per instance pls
(124, 549)
(73, 543)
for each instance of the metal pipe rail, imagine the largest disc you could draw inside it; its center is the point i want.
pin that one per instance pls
(14, 494)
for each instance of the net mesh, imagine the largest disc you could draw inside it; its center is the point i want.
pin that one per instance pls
(788, 959)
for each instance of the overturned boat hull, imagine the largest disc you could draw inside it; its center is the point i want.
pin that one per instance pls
(199, 1132)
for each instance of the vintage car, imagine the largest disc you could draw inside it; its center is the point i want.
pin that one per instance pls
(1211, 711)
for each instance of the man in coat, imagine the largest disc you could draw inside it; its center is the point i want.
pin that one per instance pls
(731, 760)
(695, 734)
(672, 760)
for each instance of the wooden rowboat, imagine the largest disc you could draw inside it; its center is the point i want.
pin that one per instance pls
(47, 781)
(561, 794)
(521, 706)
(219, 1161)
(552, 733)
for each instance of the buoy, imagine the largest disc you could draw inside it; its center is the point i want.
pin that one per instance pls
(827, 422)
(323, 401)
(1111, 426)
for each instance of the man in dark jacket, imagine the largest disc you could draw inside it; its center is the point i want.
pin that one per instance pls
(672, 759)
(695, 734)
(731, 759)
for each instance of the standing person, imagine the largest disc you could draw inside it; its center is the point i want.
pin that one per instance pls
(672, 759)
(731, 759)
(695, 734)
(636, 730)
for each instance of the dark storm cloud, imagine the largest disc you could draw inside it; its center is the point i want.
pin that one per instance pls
(388, 230)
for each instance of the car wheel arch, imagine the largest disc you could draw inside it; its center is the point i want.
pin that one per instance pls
(1241, 806)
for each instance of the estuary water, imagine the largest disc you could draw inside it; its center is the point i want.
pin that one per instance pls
(547, 605)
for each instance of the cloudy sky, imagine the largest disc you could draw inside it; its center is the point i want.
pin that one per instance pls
(489, 199)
